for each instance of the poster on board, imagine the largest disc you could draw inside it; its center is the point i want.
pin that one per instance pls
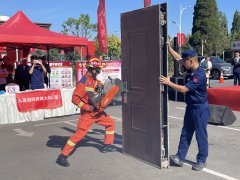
(61, 74)
(111, 68)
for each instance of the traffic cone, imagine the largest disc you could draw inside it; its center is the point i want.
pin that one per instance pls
(221, 80)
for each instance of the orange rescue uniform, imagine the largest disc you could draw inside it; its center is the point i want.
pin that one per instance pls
(80, 98)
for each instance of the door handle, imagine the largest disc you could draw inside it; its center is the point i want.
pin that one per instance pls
(125, 90)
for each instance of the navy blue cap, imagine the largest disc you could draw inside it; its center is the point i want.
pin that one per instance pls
(188, 54)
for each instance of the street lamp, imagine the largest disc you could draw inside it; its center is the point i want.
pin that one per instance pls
(180, 24)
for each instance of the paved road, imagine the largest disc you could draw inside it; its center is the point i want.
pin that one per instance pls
(28, 152)
(227, 82)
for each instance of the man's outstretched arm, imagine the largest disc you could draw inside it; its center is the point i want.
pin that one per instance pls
(173, 53)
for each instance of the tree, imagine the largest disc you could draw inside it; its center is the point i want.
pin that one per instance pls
(223, 36)
(73, 56)
(80, 27)
(235, 30)
(208, 24)
(114, 47)
(54, 54)
(39, 53)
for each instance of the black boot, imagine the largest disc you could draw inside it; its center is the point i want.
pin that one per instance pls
(176, 161)
(199, 166)
(62, 160)
(108, 148)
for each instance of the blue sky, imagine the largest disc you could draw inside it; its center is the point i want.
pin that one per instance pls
(58, 11)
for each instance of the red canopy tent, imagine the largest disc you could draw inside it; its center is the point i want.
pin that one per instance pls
(19, 32)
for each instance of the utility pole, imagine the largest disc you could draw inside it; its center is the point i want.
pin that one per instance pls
(180, 25)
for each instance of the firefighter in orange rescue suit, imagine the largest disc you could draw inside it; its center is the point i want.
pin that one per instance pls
(85, 88)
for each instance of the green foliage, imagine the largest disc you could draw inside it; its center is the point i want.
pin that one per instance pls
(55, 54)
(235, 30)
(224, 43)
(209, 25)
(114, 47)
(73, 56)
(80, 27)
(39, 53)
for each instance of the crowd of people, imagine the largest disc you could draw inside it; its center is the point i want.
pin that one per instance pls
(33, 76)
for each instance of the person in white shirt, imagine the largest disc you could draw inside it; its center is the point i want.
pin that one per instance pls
(206, 64)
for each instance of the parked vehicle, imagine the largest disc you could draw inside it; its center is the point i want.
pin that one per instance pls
(219, 65)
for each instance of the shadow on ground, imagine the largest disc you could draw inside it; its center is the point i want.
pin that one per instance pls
(56, 141)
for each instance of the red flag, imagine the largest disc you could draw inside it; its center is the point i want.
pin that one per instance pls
(102, 29)
(179, 39)
(147, 3)
(183, 39)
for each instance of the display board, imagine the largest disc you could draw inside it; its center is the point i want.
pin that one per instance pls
(111, 68)
(61, 74)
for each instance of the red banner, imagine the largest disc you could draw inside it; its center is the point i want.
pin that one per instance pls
(183, 39)
(102, 28)
(147, 3)
(35, 100)
(179, 39)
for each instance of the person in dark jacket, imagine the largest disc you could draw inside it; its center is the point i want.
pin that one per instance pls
(22, 76)
(236, 69)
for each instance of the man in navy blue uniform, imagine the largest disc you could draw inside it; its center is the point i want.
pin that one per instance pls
(197, 112)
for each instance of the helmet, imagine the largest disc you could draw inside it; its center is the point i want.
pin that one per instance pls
(94, 63)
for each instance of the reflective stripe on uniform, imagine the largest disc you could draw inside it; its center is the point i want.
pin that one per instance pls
(70, 143)
(80, 104)
(109, 132)
(89, 89)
